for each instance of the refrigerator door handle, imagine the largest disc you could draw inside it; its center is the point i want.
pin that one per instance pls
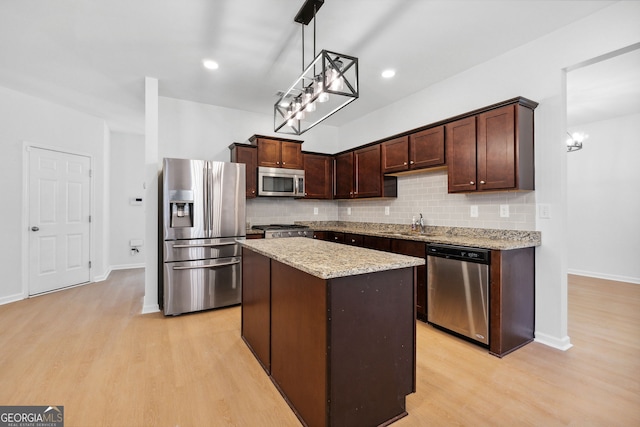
(203, 245)
(194, 267)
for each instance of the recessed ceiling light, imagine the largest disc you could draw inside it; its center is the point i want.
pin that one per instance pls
(210, 64)
(387, 74)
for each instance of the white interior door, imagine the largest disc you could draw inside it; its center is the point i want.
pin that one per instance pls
(59, 220)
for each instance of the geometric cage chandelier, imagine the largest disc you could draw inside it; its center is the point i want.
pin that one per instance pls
(326, 85)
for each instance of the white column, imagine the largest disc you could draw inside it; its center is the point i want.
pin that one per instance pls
(152, 165)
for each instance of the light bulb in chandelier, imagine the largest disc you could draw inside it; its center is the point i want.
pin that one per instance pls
(319, 88)
(308, 99)
(290, 118)
(298, 108)
(336, 80)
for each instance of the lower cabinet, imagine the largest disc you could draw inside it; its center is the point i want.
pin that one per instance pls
(340, 354)
(418, 250)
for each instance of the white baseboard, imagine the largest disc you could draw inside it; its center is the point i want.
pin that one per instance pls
(563, 344)
(151, 308)
(127, 266)
(11, 298)
(102, 277)
(614, 277)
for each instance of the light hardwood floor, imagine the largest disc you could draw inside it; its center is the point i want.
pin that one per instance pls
(90, 350)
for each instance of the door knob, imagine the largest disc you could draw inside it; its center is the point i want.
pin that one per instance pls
(34, 228)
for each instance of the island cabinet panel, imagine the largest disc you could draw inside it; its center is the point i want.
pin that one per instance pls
(371, 357)
(299, 341)
(256, 306)
(342, 350)
(512, 300)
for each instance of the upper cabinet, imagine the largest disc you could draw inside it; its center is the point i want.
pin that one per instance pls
(358, 174)
(247, 154)
(419, 150)
(318, 176)
(278, 153)
(492, 150)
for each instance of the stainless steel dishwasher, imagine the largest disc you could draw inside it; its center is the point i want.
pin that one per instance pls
(458, 290)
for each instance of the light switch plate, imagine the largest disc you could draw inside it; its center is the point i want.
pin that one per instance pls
(349, 211)
(504, 211)
(315, 211)
(544, 210)
(386, 210)
(474, 211)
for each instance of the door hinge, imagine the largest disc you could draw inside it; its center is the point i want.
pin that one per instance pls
(90, 173)
(89, 264)
(89, 218)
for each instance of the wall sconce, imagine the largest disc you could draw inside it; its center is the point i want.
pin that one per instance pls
(575, 140)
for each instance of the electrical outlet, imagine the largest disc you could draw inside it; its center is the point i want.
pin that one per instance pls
(315, 211)
(349, 211)
(504, 211)
(474, 211)
(386, 210)
(544, 210)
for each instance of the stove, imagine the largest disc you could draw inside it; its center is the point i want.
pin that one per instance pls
(284, 230)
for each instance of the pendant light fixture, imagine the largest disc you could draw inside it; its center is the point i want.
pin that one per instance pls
(326, 85)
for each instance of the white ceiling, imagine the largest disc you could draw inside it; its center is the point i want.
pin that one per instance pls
(93, 55)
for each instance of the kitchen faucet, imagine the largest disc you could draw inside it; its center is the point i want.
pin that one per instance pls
(421, 224)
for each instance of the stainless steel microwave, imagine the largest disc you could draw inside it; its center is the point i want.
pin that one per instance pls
(280, 182)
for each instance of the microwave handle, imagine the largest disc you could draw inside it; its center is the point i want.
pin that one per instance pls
(296, 189)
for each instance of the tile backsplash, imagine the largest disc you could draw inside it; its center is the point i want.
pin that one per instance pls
(424, 193)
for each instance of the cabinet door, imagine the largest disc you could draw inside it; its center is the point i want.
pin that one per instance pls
(368, 174)
(377, 243)
(353, 239)
(248, 156)
(269, 153)
(418, 250)
(343, 176)
(336, 236)
(291, 155)
(426, 148)
(321, 235)
(496, 149)
(461, 154)
(395, 155)
(317, 176)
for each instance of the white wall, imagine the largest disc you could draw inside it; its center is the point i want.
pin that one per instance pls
(535, 71)
(32, 120)
(127, 220)
(200, 131)
(604, 201)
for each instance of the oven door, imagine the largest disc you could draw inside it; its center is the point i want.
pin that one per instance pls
(201, 285)
(280, 182)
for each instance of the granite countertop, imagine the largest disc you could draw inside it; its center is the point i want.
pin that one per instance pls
(461, 236)
(328, 260)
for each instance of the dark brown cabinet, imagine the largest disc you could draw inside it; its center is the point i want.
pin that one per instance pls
(418, 250)
(353, 239)
(358, 174)
(419, 150)
(377, 243)
(343, 176)
(339, 353)
(247, 154)
(492, 150)
(278, 153)
(318, 176)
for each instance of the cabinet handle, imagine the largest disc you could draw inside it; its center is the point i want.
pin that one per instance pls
(471, 182)
(411, 162)
(277, 163)
(335, 238)
(353, 240)
(284, 163)
(405, 163)
(482, 182)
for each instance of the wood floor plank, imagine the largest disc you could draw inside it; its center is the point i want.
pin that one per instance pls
(90, 349)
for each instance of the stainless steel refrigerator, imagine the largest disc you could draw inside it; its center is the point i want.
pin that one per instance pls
(202, 216)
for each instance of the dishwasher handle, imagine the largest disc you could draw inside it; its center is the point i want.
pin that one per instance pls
(460, 253)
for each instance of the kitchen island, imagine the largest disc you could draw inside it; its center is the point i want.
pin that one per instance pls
(333, 326)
